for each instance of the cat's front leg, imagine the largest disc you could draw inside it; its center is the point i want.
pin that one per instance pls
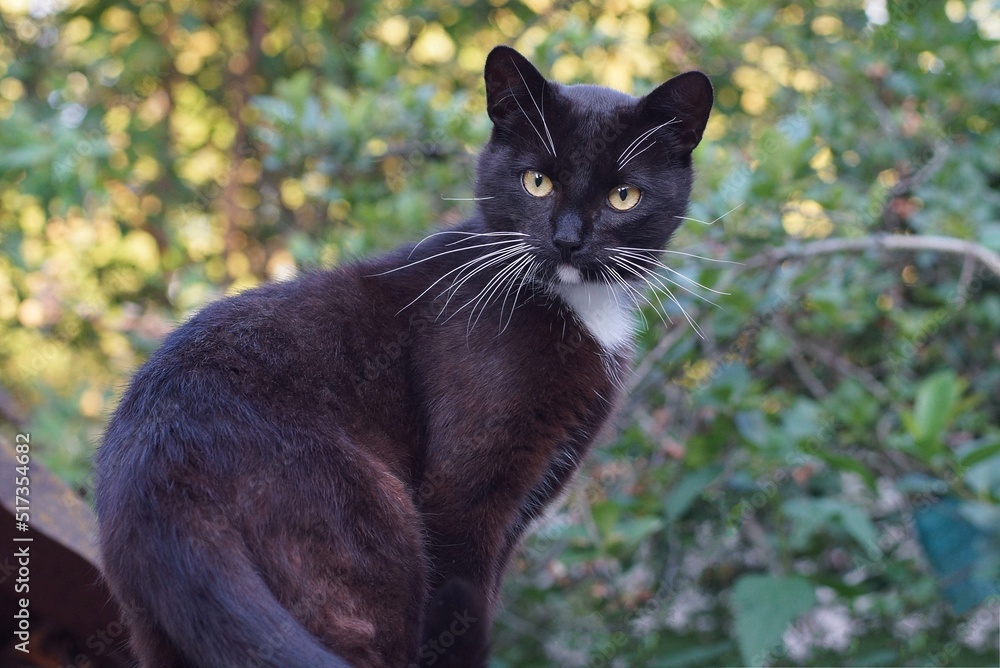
(471, 514)
(466, 522)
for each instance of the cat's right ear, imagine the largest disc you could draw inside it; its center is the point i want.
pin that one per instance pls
(514, 88)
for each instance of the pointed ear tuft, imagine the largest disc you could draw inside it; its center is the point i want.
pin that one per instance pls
(687, 98)
(511, 80)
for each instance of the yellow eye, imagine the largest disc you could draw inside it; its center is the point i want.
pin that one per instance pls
(623, 198)
(536, 183)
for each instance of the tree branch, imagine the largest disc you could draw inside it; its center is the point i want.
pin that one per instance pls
(806, 375)
(941, 244)
(840, 364)
(771, 258)
(645, 366)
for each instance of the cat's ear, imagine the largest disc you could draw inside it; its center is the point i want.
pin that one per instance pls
(685, 102)
(514, 87)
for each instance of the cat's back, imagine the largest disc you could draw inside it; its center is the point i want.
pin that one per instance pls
(234, 443)
(236, 370)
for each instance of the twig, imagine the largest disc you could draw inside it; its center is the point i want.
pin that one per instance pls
(968, 249)
(941, 244)
(929, 168)
(646, 423)
(649, 359)
(808, 378)
(884, 116)
(847, 368)
(838, 363)
(968, 273)
(798, 362)
(910, 182)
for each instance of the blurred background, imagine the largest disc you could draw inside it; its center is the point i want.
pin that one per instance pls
(814, 482)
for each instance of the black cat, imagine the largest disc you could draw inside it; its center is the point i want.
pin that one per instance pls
(335, 471)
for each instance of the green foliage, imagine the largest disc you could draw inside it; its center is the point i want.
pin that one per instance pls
(960, 542)
(763, 607)
(937, 402)
(814, 482)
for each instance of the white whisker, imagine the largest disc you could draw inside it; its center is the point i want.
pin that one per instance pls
(507, 254)
(466, 199)
(541, 113)
(467, 234)
(643, 274)
(714, 221)
(659, 278)
(638, 308)
(673, 252)
(529, 277)
(460, 280)
(636, 143)
(638, 293)
(635, 155)
(531, 123)
(645, 258)
(523, 264)
(638, 140)
(486, 293)
(464, 265)
(437, 255)
(519, 234)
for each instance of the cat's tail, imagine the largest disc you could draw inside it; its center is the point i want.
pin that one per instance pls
(208, 604)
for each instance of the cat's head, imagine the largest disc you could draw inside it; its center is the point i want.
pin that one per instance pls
(584, 169)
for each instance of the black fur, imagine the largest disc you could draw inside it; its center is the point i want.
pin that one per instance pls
(334, 471)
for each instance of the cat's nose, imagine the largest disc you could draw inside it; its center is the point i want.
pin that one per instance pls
(567, 246)
(568, 236)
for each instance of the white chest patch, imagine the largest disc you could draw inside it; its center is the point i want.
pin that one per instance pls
(604, 310)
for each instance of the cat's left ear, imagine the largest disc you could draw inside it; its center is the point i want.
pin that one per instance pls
(685, 102)
(514, 88)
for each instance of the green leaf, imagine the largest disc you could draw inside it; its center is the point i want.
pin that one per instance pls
(295, 90)
(695, 656)
(688, 490)
(634, 531)
(845, 463)
(763, 606)
(812, 516)
(806, 521)
(856, 522)
(932, 411)
(27, 156)
(984, 478)
(752, 425)
(802, 420)
(876, 657)
(957, 551)
(606, 514)
(980, 454)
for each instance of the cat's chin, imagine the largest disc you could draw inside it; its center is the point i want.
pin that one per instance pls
(568, 274)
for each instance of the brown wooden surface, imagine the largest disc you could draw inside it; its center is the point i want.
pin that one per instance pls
(73, 620)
